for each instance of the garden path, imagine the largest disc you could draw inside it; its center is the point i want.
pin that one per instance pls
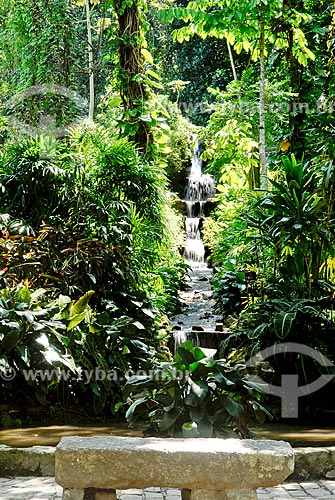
(45, 488)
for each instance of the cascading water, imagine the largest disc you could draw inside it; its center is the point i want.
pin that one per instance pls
(198, 322)
(199, 189)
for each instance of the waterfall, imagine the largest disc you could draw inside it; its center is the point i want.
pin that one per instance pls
(199, 189)
(197, 323)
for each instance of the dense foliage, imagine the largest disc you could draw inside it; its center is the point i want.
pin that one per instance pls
(195, 396)
(96, 101)
(79, 216)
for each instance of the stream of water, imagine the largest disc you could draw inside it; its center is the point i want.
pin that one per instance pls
(200, 188)
(198, 319)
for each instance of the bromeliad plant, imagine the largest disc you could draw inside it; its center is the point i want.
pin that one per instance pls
(194, 396)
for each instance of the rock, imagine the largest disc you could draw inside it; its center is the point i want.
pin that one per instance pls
(310, 463)
(314, 463)
(210, 465)
(34, 461)
(219, 327)
(176, 327)
(198, 328)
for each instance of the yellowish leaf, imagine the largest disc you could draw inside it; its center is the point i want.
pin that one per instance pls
(147, 56)
(285, 145)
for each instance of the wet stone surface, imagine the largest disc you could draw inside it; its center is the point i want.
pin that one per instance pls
(198, 322)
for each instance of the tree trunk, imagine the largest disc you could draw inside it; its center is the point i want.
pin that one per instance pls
(262, 152)
(132, 90)
(296, 70)
(90, 61)
(231, 57)
(308, 276)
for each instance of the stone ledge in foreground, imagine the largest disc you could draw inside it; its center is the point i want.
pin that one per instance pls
(310, 462)
(314, 463)
(34, 461)
(194, 464)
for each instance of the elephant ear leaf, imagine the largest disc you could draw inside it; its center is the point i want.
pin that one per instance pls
(282, 323)
(81, 304)
(10, 340)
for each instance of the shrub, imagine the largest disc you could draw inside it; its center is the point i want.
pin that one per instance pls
(194, 396)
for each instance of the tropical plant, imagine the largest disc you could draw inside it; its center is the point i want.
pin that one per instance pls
(31, 339)
(61, 352)
(194, 396)
(106, 347)
(263, 324)
(298, 222)
(229, 290)
(61, 262)
(35, 180)
(284, 237)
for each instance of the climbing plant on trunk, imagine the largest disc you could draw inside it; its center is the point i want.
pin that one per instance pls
(132, 81)
(262, 150)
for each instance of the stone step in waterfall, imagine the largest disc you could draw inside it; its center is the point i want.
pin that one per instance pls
(198, 323)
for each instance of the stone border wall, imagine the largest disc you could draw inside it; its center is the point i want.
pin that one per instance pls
(314, 463)
(34, 461)
(310, 463)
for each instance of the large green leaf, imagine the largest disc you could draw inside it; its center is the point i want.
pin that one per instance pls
(233, 408)
(81, 304)
(75, 320)
(197, 413)
(26, 314)
(7, 326)
(282, 322)
(138, 380)
(169, 419)
(10, 341)
(205, 428)
(198, 353)
(185, 354)
(259, 331)
(24, 295)
(193, 400)
(41, 339)
(199, 388)
(194, 366)
(133, 406)
(52, 357)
